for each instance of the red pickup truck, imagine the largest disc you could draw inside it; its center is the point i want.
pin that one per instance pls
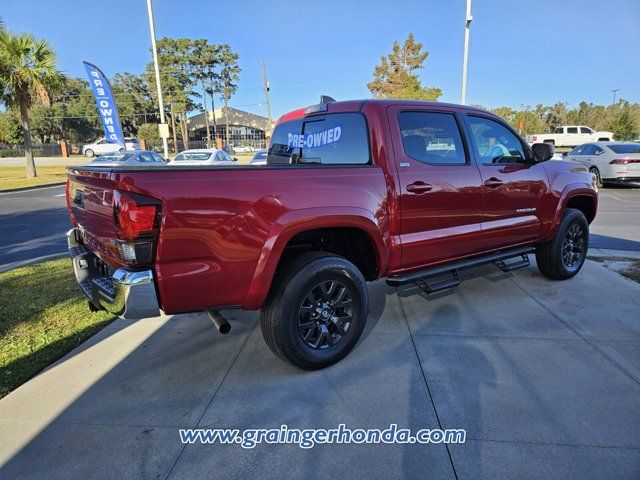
(352, 192)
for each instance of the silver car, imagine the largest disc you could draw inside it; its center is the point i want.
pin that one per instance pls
(202, 156)
(129, 158)
(610, 162)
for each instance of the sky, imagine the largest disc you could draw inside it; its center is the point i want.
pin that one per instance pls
(521, 52)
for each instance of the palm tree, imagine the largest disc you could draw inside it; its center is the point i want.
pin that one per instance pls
(28, 74)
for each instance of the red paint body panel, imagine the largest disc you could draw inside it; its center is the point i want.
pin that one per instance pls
(223, 230)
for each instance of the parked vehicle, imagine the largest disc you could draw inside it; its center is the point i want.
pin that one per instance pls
(260, 158)
(203, 156)
(101, 147)
(353, 191)
(128, 158)
(570, 136)
(242, 149)
(609, 162)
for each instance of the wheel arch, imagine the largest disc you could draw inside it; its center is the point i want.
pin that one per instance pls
(311, 222)
(578, 197)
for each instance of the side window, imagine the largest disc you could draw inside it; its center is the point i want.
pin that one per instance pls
(495, 143)
(333, 139)
(219, 157)
(432, 138)
(589, 150)
(146, 157)
(572, 129)
(599, 151)
(577, 150)
(559, 130)
(157, 157)
(585, 130)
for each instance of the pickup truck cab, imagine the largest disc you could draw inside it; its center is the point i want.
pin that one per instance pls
(570, 136)
(352, 192)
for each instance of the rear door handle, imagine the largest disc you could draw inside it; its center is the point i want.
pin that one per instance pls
(493, 182)
(418, 187)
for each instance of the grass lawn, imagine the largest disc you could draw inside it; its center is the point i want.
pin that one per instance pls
(43, 315)
(16, 177)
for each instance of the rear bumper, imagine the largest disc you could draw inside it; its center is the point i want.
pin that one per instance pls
(126, 293)
(622, 179)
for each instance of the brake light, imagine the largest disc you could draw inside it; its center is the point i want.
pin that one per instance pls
(623, 161)
(134, 215)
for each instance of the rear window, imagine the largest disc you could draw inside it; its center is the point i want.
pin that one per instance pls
(190, 157)
(626, 148)
(333, 139)
(114, 157)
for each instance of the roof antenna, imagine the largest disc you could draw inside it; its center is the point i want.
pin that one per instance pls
(326, 99)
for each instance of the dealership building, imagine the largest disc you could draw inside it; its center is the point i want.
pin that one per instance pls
(244, 128)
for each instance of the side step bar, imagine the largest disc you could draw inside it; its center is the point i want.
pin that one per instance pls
(498, 258)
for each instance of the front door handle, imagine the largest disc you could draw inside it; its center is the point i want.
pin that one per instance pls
(493, 182)
(418, 187)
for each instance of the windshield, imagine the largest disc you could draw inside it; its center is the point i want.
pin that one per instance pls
(626, 148)
(114, 157)
(261, 155)
(192, 156)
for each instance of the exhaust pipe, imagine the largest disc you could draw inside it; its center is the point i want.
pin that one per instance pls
(219, 321)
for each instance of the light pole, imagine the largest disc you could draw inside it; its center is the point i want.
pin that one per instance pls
(469, 18)
(163, 127)
(614, 91)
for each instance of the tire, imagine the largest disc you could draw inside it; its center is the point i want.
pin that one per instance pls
(563, 256)
(596, 173)
(89, 153)
(335, 326)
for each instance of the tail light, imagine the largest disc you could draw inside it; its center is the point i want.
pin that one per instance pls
(137, 219)
(67, 191)
(534, 138)
(623, 161)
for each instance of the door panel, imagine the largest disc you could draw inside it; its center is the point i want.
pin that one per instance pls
(440, 188)
(513, 187)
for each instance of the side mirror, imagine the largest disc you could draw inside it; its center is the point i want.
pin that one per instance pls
(564, 154)
(542, 152)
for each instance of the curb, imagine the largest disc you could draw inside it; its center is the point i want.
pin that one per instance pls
(23, 263)
(613, 254)
(32, 187)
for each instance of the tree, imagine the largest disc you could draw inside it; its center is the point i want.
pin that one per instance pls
(28, 75)
(205, 60)
(226, 82)
(134, 100)
(178, 82)
(10, 131)
(395, 77)
(623, 125)
(150, 134)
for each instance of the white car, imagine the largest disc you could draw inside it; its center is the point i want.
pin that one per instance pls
(241, 149)
(203, 156)
(610, 162)
(570, 136)
(102, 146)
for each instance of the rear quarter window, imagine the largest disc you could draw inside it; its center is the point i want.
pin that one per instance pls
(332, 139)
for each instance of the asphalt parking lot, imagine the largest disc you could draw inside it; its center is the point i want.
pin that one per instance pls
(544, 376)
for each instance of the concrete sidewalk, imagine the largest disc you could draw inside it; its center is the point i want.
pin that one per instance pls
(543, 375)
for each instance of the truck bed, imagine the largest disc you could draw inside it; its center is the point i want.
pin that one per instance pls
(217, 222)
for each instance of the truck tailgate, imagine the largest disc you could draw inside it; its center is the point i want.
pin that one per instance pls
(90, 201)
